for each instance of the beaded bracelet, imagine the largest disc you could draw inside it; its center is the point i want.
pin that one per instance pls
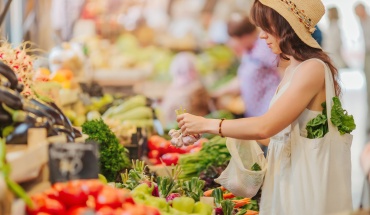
(219, 128)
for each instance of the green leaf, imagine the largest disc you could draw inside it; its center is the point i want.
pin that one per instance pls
(227, 207)
(18, 191)
(341, 119)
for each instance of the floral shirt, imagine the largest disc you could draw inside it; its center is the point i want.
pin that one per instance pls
(259, 78)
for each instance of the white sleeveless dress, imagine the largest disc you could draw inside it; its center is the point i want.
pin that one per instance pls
(278, 192)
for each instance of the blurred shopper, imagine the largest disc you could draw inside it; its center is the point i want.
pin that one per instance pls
(186, 89)
(333, 40)
(258, 75)
(365, 24)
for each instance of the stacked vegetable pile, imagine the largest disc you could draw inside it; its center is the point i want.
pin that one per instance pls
(228, 204)
(18, 114)
(172, 195)
(208, 163)
(113, 156)
(86, 197)
(169, 194)
(133, 111)
(160, 148)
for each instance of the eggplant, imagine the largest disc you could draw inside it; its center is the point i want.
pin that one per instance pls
(67, 122)
(20, 87)
(77, 132)
(9, 74)
(20, 133)
(11, 98)
(38, 112)
(5, 117)
(59, 120)
(61, 129)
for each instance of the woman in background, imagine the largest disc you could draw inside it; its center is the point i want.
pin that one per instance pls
(186, 89)
(333, 40)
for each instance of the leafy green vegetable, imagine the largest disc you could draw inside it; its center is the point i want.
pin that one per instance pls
(318, 126)
(113, 156)
(217, 194)
(341, 119)
(193, 188)
(227, 207)
(213, 153)
(256, 167)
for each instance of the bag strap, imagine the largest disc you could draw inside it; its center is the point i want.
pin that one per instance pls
(329, 93)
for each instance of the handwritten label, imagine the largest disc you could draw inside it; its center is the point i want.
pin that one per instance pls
(69, 161)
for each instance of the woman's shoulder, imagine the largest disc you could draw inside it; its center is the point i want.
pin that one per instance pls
(311, 72)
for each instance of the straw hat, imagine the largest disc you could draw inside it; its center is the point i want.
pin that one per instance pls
(302, 15)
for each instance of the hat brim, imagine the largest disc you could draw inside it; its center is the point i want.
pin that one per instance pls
(297, 26)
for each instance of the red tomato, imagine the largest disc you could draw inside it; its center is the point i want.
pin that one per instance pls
(92, 187)
(154, 142)
(106, 211)
(109, 197)
(79, 211)
(43, 204)
(124, 196)
(52, 194)
(73, 195)
(153, 154)
(170, 158)
(174, 149)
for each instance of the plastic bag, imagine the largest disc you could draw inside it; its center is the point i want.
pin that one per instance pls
(238, 177)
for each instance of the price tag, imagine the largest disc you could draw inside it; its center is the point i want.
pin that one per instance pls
(69, 161)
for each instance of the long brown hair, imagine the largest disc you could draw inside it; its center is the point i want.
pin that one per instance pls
(290, 44)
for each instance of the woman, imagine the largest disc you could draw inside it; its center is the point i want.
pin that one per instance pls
(186, 90)
(333, 40)
(296, 181)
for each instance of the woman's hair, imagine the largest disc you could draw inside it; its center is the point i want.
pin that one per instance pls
(240, 25)
(290, 44)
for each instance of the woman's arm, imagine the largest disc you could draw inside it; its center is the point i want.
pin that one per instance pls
(264, 142)
(307, 82)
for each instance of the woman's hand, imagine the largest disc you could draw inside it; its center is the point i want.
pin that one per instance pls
(191, 124)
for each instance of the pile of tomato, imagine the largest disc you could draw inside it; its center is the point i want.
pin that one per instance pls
(85, 197)
(160, 148)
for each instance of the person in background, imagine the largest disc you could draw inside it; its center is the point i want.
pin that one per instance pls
(365, 24)
(333, 40)
(258, 75)
(186, 89)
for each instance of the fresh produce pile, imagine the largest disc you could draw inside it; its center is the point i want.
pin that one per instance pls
(132, 112)
(86, 197)
(208, 163)
(172, 195)
(113, 156)
(18, 114)
(160, 148)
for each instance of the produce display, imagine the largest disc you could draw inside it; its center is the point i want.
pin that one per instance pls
(172, 195)
(113, 156)
(161, 149)
(86, 197)
(208, 163)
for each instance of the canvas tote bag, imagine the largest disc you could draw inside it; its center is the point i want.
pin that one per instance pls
(321, 168)
(238, 177)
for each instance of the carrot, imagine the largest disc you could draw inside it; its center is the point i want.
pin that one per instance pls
(228, 196)
(208, 193)
(250, 212)
(241, 202)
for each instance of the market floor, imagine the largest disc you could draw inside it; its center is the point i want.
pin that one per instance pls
(354, 101)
